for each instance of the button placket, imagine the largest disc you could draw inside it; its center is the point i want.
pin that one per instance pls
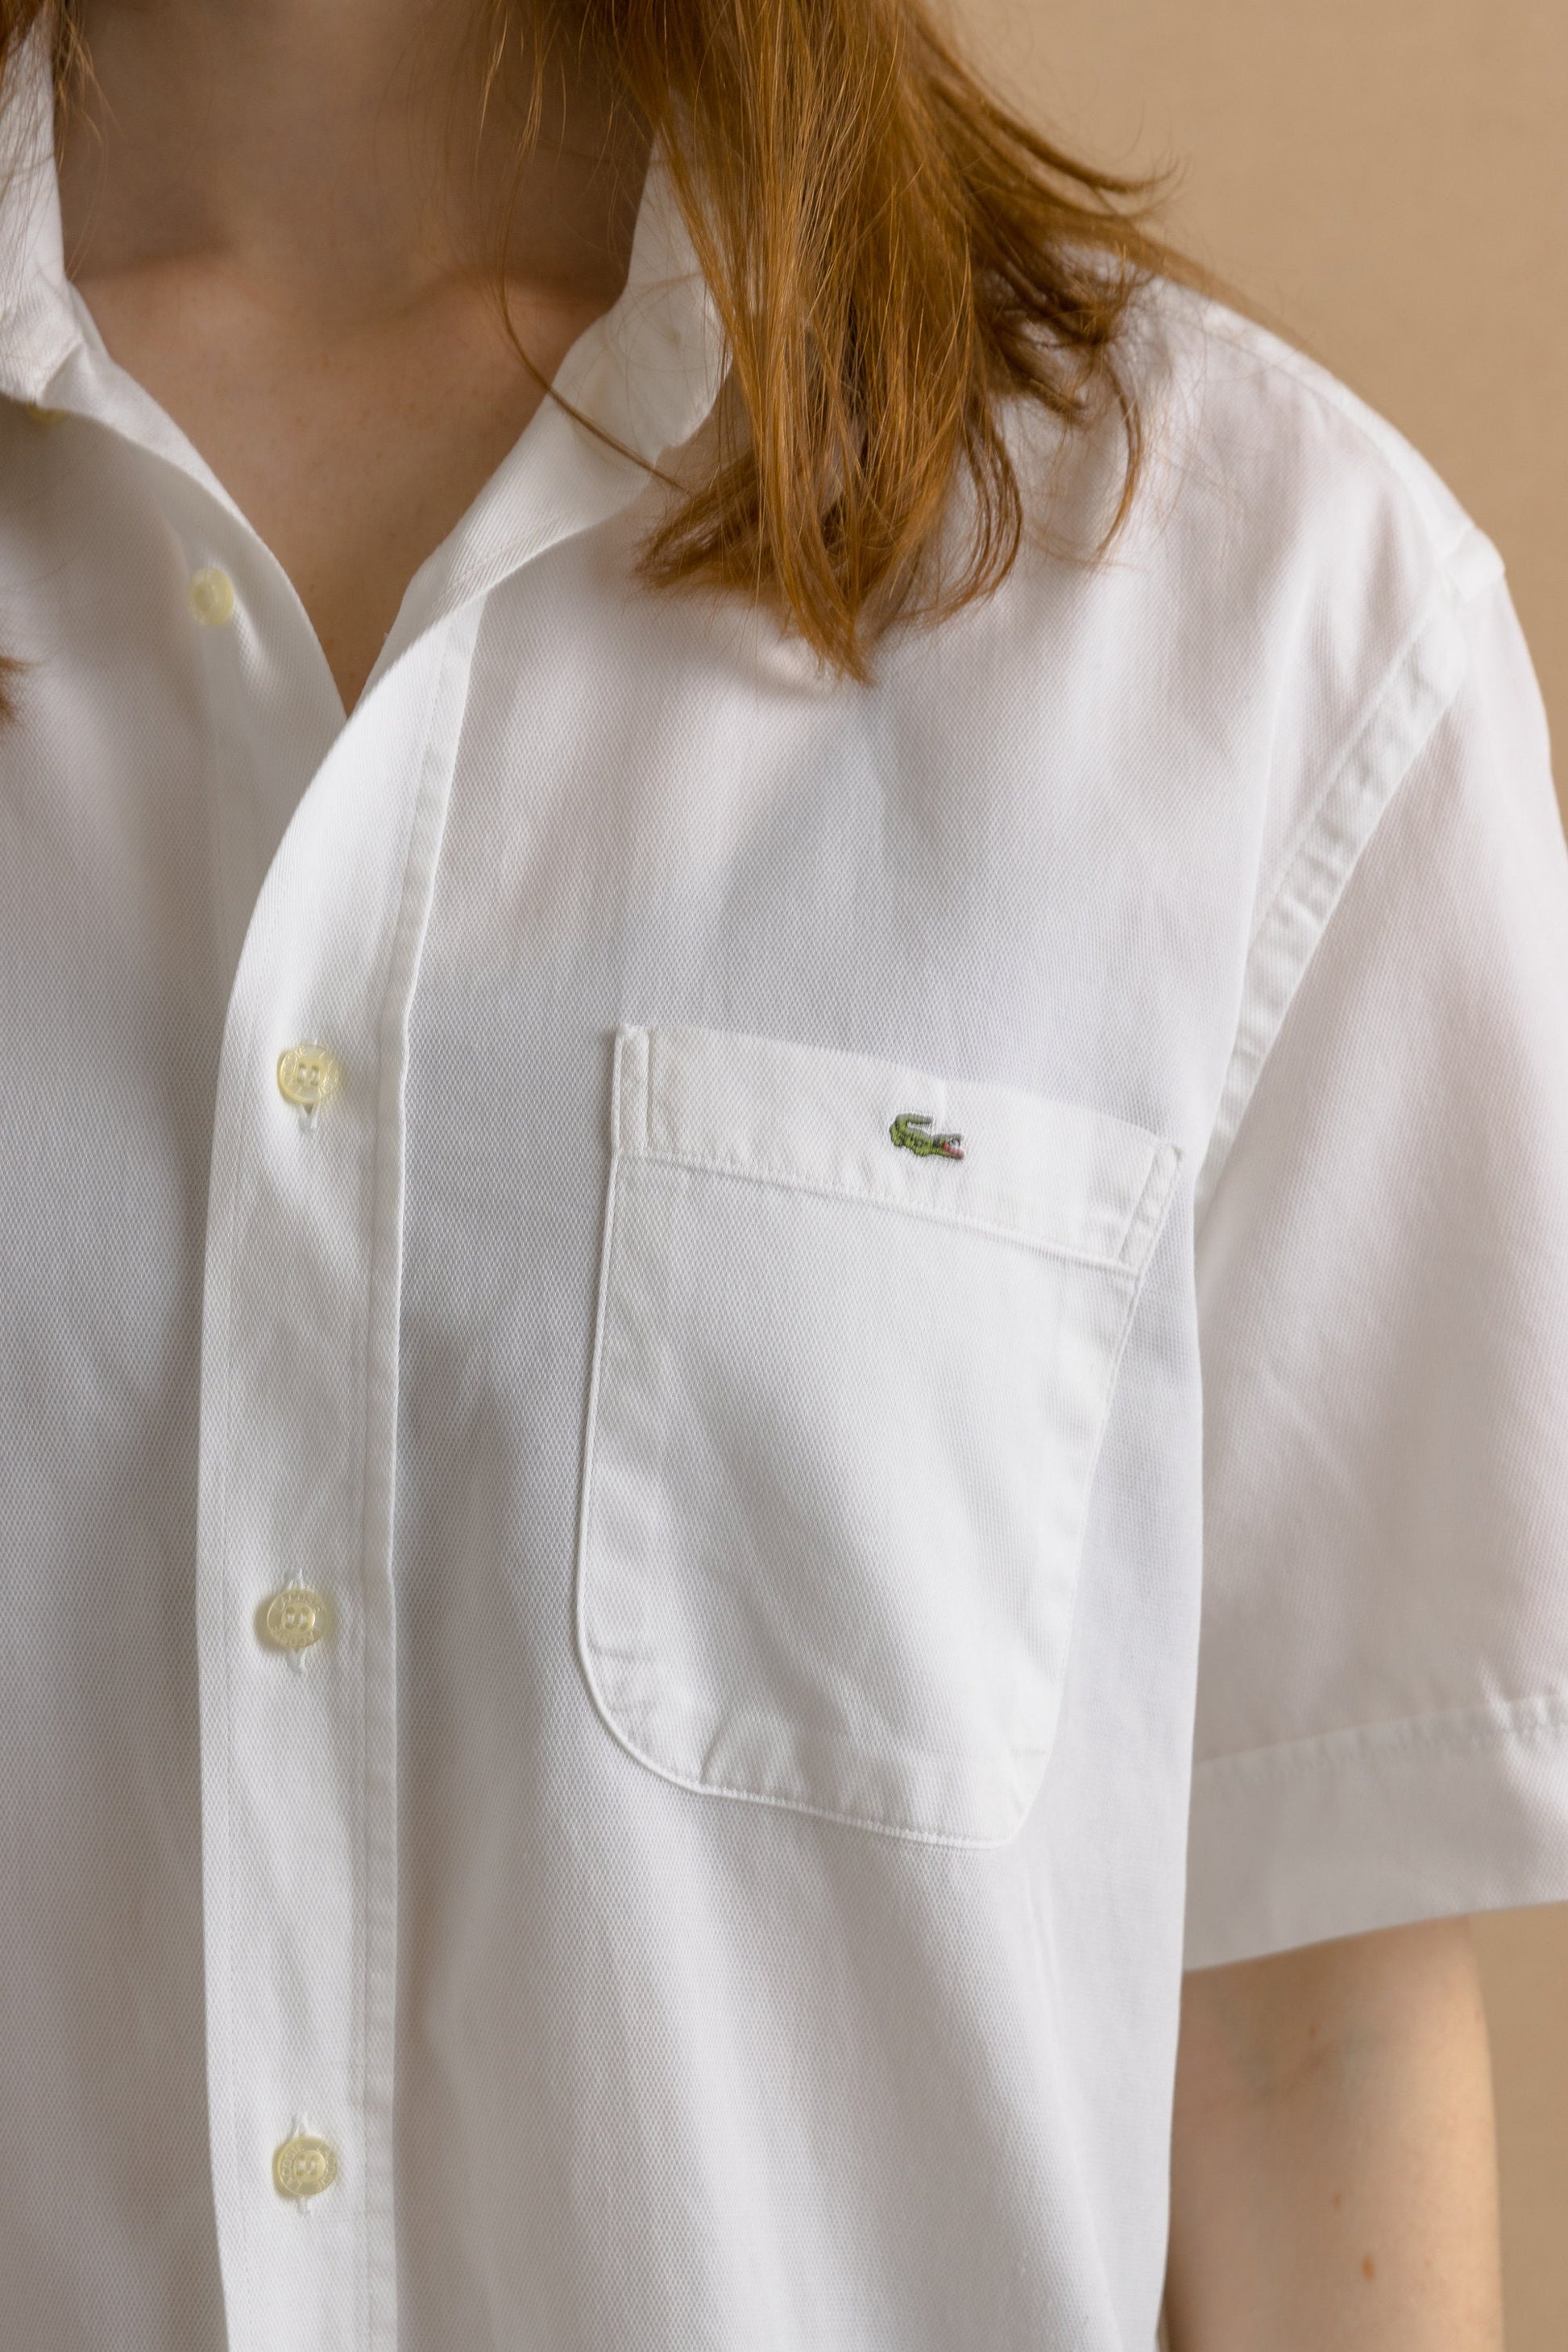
(299, 1427)
(297, 1616)
(240, 757)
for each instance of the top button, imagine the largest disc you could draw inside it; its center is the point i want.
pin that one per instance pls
(212, 597)
(307, 1074)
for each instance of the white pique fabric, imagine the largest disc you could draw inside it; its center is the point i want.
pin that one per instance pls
(916, 1356)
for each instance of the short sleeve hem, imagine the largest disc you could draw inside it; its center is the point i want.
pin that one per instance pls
(1378, 1828)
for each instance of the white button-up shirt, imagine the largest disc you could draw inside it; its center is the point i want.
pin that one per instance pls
(723, 1392)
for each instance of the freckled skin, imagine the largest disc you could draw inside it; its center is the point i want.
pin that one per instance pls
(1333, 2165)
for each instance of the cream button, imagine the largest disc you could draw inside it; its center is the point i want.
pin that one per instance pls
(307, 1074)
(212, 597)
(294, 1618)
(41, 415)
(303, 2167)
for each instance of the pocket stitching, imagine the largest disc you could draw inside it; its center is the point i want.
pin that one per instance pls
(784, 1179)
(1019, 1214)
(912, 1833)
(1149, 1209)
(1158, 1183)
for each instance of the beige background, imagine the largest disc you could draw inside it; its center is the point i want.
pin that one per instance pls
(1387, 180)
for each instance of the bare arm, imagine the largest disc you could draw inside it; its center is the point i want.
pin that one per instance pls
(1334, 2183)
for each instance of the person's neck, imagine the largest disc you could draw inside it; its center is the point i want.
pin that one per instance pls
(287, 219)
(344, 155)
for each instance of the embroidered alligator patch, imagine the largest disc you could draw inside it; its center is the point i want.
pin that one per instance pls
(911, 1132)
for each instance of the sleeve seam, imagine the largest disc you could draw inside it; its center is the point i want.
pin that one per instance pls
(1417, 690)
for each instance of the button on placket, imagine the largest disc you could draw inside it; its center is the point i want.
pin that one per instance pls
(307, 1074)
(303, 2165)
(210, 594)
(293, 1620)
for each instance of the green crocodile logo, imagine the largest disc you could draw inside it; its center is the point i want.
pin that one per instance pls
(911, 1132)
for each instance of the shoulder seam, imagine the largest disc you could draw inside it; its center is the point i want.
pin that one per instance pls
(1466, 556)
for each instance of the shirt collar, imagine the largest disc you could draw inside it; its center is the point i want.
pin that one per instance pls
(646, 372)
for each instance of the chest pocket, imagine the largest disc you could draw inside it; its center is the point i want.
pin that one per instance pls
(857, 1333)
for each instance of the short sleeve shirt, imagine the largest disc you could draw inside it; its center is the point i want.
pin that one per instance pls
(727, 1397)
